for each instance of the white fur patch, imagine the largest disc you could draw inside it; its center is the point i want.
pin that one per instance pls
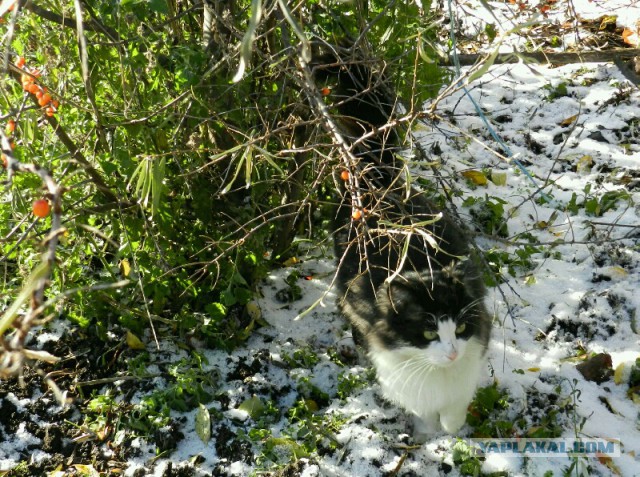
(428, 382)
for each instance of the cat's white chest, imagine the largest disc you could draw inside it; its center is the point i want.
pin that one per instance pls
(409, 377)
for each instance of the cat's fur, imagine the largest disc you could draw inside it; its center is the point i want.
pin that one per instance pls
(412, 291)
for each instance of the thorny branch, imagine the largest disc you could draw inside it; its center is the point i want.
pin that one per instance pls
(13, 353)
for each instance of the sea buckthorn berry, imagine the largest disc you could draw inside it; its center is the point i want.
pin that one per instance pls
(3, 159)
(20, 62)
(44, 99)
(344, 175)
(356, 214)
(325, 91)
(25, 78)
(10, 127)
(41, 208)
(50, 111)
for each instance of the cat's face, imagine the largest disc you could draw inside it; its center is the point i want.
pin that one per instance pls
(434, 316)
(447, 343)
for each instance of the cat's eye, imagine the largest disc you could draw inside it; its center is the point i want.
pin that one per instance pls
(461, 328)
(430, 335)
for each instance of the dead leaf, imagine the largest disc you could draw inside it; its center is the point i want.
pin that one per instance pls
(619, 374)
(608, 21)
(568, 121)
(630, 37)
(125, 267)
(634, 394)
(584, 164)
(607, 461)
(289, 262)
(134, 342)
(476, 177)
(598, 368)
(618, 271)
(87, 470)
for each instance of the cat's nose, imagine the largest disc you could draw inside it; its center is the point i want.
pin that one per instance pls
(453, 354)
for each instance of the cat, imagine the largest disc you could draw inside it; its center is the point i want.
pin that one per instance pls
(408, 281)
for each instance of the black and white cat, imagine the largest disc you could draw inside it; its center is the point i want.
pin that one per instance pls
(408, 281)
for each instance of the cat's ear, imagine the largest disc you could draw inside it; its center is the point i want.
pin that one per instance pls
(455, 270)
(467, 273)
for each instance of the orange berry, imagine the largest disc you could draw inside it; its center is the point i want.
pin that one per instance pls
(11, 126)
(55, 103)
(39, 93)
(325, 91)
(50, 111)
(3, 158)
(356, 214)
(33, 88)
(20, 62)
(344, 175)
(44, 99)
(26, 79)
(41, 208)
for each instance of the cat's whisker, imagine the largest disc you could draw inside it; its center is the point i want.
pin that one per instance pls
(413, 365)
(473, 304)
(406, 371)
(422, 384)
(418, 366)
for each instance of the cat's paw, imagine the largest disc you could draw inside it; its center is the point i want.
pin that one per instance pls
(425, 427)
(452, 421)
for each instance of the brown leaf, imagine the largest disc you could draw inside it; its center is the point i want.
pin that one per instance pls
(598, 368)
(568, 121)
(607, 461)
(630, 37)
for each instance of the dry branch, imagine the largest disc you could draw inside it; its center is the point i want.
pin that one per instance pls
(12, 354)
(551, 57)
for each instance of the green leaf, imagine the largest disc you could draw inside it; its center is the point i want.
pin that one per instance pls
(203, 423)
(253, 406)
(295, 449)
(217, 311)
(159, 6)
(499, 178)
